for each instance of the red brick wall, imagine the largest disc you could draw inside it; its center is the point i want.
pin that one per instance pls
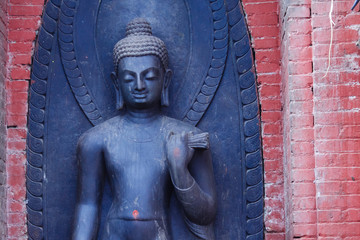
(310, 124)
(337, 120)
(296, 69)
(321, 120)
(3, 57)
(263, 21)
(23, 22)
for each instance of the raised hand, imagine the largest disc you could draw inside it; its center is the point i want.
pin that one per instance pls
(179, 153)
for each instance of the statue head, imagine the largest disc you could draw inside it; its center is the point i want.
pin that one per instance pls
(141, 75)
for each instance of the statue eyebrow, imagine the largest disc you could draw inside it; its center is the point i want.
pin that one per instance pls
(155, 69)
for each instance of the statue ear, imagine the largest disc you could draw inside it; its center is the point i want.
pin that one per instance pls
(119, 98)
(165, 89)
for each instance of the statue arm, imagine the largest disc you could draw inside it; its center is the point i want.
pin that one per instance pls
(193, 180)
(195, 189)
(89, 189)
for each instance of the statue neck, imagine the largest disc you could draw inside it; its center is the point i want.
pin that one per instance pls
(142, 115)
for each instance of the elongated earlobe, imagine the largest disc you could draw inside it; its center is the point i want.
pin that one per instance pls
(119, 98)
(165, 90)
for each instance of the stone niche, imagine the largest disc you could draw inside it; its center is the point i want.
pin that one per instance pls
(213, 88)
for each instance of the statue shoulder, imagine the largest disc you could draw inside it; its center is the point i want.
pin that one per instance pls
(94, 137)
(178, 126)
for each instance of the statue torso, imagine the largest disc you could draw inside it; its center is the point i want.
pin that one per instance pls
(134, 155)
(135, 159)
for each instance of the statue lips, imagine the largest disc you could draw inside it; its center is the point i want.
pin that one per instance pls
(140, 95)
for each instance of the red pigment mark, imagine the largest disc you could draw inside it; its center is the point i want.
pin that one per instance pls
(176, 152)
(135, 214)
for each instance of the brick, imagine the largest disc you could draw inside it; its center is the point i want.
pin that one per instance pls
(16, 120)
(27, 2)
(301, 230)
(273, 153)
(260, 8)
(271, 116)
(17, 86)
(343, 145)
(31, 23)
(270, 91)
(303, 175)
(17, 218)
(271, 128)
(304, 189)
(301, 107)
(335, 118)
(276, 224)
(323, 8)
(300, 81)
(274, 178)
(302, 148)
(21, 47)
(16, 145)
(265, 43)
(267, 67)
(337, 91)
(268, 78)
(304, 134)
(336, 202)
(339, 229)
(17, 97)
(274, 236)
(16, 108)
(296, 68)
(298, 12)
(19, 73)
(304, 203)
(299, 26)
(263, 19)
(21, 35)
(305, 217)
(340, 35)
(338, 50)
(16, 159)
(272, 141)
(303, 162)
(351, 19)
(337, 63)
(299, 40)
(274, 190)
(271, 104)
(16, 231)
(322, 21)
(16, 133)
(301, 94)
(349, 132)
(337, 173)
(301, 120)
(24, 59)
(25, 10)
(327, 132)
(300, 53)
(265, 31)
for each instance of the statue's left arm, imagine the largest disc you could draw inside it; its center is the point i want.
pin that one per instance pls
(193, 179)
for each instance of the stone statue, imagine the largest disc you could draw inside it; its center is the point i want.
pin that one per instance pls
(145, 155)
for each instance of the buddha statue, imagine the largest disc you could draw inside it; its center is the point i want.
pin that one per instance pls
(145, 155)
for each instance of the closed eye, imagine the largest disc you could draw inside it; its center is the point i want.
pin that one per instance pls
(128, 78)
(151, 76)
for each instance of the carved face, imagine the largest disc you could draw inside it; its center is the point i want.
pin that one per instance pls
(141, 81)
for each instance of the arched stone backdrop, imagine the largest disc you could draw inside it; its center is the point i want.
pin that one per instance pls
(310, 124)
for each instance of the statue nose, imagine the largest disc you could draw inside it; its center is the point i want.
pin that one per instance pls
(140, 84)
